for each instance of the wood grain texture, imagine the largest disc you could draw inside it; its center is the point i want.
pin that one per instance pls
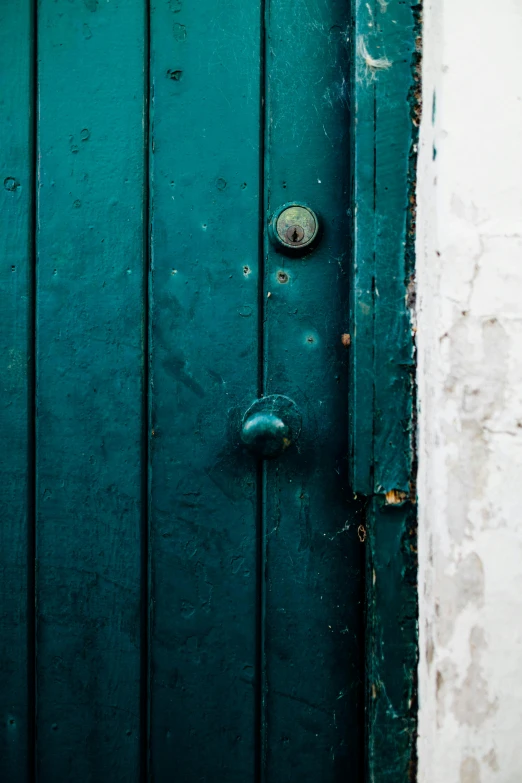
(205, 183)
(90, 363)
(313, 637)
(382, 346)
(16, 403)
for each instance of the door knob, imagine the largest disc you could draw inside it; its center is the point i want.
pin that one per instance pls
(270, 426)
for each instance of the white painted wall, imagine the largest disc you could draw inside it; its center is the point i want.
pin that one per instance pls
(469, 262)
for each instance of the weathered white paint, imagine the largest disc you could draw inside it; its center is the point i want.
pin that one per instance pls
(469, 262)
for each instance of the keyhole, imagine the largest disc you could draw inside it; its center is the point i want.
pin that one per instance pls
(294, 234)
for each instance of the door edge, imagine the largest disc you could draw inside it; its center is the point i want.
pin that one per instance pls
(386, 56)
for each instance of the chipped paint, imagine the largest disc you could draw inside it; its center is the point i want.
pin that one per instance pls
(395, 496)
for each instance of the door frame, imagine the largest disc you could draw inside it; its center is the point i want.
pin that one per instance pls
(386, 50)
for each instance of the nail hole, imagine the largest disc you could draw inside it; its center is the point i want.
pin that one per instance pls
(10, 183)
(282, 277)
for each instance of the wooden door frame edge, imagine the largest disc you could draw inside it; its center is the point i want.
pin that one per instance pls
(386, 57)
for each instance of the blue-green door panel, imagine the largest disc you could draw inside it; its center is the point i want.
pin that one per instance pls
(16, 390)
(172, 608)
(204, 276)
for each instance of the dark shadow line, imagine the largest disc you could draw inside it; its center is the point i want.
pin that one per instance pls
(32, 402)
(259, 723)
(145, 451)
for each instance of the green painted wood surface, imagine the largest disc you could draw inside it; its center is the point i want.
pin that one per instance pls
(16, 404)
(382, 355)
(382, 381)
(362, 375)
(313, 638)
(90, 363)
(391, 663)
(199, 616)
(394, 365)
(205, 212)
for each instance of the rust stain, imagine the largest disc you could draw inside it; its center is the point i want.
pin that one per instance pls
(395, 496)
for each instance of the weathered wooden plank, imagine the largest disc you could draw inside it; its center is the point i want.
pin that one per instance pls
(361, 391)
(205, 210)
(90, 363)
(394, 364)
(392, 643)
(313, 640)
(385, 94)
(16, 370)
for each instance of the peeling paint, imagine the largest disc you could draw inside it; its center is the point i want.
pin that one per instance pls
(395, 496)
(387, 57)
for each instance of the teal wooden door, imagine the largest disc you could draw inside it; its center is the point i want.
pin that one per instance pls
(175, 608)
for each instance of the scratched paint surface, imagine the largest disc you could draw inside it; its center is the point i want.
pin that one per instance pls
(198, 616)
(387, 108)
(313, 642)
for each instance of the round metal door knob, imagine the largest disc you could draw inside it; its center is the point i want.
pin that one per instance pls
(270, 426)
(294, 228)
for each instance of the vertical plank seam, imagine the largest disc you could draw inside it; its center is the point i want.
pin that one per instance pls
(145, 488)
(374, 286)
(259, 722)
(32, 413)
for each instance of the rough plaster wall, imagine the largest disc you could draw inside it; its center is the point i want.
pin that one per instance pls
(469, 262)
